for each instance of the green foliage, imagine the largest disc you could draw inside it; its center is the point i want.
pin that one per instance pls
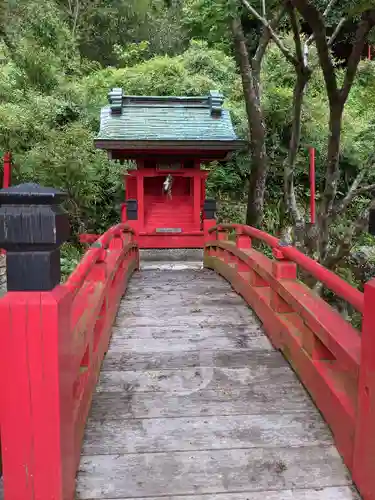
(132, 54)
(70, 257)
(358, 135)
(101, 25)
(66, 159)
(208, 20)
(231, 212)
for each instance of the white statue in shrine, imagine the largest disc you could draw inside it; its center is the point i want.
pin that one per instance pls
(167, 186)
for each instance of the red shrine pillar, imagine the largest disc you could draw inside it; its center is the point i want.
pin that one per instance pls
(197, 198)
(197, 193)
(141, 200)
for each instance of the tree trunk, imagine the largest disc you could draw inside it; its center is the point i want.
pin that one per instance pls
(259, 167)
(332, 176)
(303, 77)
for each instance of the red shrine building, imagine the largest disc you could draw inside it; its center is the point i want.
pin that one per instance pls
(168, 139)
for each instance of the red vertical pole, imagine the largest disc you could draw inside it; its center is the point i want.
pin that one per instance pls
(140, 198)
(7, 170)
(364, 444)
(197, 198)
(369, 52)
(312, 186)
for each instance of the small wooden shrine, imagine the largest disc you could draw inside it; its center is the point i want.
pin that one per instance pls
(169, 138)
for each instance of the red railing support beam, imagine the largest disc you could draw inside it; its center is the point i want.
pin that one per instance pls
(207, 225)
(7, 175)
(364, 447)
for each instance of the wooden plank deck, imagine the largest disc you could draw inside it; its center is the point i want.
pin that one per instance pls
(193, 403)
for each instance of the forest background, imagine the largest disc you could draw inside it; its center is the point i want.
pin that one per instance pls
(295, 74)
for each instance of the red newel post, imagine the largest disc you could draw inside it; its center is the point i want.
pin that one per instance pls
(35, 343)
(364, 446)
(243, 241)
(7, 170)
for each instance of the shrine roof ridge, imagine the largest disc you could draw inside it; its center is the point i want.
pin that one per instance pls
(144, 121)
(161, 100)
(118, 100)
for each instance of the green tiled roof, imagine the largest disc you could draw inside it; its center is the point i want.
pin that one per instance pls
(158, 119)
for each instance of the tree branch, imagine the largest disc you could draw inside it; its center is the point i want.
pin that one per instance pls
(363, 190)
(354, 190)
(316, 22)
(328, 9)
(266, 36)
(303, 76)
(75, 19)
(70, 7)
(366, 24)
(264, 8)
(287, 53)
(336, 32)
(296, 34)
(345, 245)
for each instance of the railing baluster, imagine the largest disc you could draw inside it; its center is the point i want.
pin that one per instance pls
(364, 448)
(222, 235)
(282, 269)
(243, 241)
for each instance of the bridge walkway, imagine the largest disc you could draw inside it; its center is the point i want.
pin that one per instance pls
(193, 403)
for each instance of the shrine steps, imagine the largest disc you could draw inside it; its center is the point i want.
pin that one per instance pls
(193, 239)
(193, 403)
(175, 213)
(171, 259)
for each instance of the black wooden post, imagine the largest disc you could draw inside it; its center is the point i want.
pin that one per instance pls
(132, 210)
(33, 226)
(371, 224)
(209, 208)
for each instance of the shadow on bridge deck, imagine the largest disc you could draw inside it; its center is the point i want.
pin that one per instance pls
(194, 403)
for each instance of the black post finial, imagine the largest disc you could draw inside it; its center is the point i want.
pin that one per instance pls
(209, 208)
(33, 226)
(371, 224)
(132, 210)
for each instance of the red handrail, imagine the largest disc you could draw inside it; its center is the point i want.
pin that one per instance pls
(271, 241)
(333, 359)
(94, 254)
(336, 284)
(64, 334)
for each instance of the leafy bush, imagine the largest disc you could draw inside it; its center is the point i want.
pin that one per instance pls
(70, 258)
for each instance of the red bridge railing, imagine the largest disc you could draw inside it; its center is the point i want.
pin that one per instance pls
(95, 289)
(53, 340)
(335, 361)
(7, 176)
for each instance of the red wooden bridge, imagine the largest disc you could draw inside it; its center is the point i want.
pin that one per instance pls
(224, 379)
(193, 401)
